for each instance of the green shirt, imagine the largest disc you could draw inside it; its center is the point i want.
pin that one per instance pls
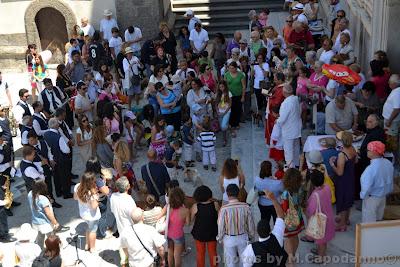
(235, 83)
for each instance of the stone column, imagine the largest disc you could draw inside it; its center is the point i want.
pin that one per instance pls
(392, 34)
(379, 23)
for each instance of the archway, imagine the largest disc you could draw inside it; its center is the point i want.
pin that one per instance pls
(51, 27)
(32, 31)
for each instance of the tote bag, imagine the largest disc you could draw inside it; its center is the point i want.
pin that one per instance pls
(292, 220)
(317, 223)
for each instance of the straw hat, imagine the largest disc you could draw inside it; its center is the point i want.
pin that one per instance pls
(128, 50)
(107, 12)
(314, 157)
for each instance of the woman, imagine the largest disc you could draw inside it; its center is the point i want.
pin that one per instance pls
(265, 181)
(321, 196)
(287, 29)
(39, 72)
(380, 78)
(236, 82)
(275, 99)
(325, 53)
(99, 76)
(122, 164)
(157, 76)
(367, 102)
(260, 74)
(343, 167)
(230, 175)
(152, 211)
(43, 219)
(218, 53)
(83, 105)
(84, 142)
(291, 59)
(169, 106)
(224, 104)
(111, 119)
(101, 148)
(292, 196)
(52, 251)
(158, 137)
(183, 37)
(168, 42)
(197, 95)
(179, 215)
(30, 55)
(86, 194)
(107, 94)
(271, 35)
(311, 9)
(162, 59)
(85, 48)
(346, 50)
(246, 69)
(64, 82)
(318, 82)
(204, 214)
(207, 77)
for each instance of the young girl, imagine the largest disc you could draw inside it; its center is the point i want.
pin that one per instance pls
(158, 138)
(224, 103)
(39, 72)
(276, 146)
(302, 92)
(107, 93)
(184, 39)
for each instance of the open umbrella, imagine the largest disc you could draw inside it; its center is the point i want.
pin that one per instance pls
(341, 73)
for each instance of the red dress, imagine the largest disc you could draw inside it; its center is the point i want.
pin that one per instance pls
(275, 100)
(381, 85)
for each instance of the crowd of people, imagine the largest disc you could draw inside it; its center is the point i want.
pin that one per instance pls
(96, 107)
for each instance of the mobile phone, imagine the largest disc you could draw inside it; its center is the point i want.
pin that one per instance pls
(261, 193)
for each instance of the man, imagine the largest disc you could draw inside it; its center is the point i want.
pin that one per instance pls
(96, 52)
(290, 122)
(235, 226)
(27, 122)
(340, 115)
(5, 125)
(5, 236)
(183, 70)
(39, 120)
(376, 183)
(5, 96)
(155, 175)
(68, 136)
(148, 53)
(391, 111)
(234, 43)
(245, 51)
(45, 160)
(51, 97)
(374, 133)
(122, 204)
(268, 251)
(106, 24)
(198, 39)
(141, 243)
(22, 108)
(301, 38)
(192, 19)
(343, 28)
(60, 151)
(298, 14)
(88, 30)
(76, 69)
(133, 36)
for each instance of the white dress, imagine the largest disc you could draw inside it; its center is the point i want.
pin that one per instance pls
(83, 153)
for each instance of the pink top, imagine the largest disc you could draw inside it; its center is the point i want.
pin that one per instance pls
(321, 80)
(326, 208)
(175, 224)
(381, 84)
(210, 82)
(302, 86)
(112, 126)
(103, 95)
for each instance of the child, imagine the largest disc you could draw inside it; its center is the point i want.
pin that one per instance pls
(93, 88)
(197, 120)
(171, 134)
(115, 43)
(276, 146)
(74, 47)
(172, 157)
(188, 139)
(207, 139)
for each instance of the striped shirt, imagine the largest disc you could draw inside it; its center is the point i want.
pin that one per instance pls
(207, 140)
(235, 219)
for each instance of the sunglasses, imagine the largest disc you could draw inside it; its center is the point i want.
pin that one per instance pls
(288, 21)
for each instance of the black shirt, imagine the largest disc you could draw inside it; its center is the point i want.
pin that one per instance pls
(160, 177)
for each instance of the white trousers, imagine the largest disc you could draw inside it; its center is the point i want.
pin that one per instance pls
(209, 158)
(291, 149)
(373, 209)
(233, 248)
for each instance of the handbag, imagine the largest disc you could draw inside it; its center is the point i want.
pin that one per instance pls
(292, 220)
(252, 196)
(135, 79)
(317, 223)
(157, 258)
(242, 197)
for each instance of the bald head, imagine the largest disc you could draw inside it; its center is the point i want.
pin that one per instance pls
(151, 154)
(394, 81)
(237, 36)
(84, 21)
(137, 215)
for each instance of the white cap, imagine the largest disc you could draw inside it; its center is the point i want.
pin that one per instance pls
(130, 115)
(298, 6)
(189, 12)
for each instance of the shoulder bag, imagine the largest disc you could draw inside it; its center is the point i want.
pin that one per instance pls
(135, 79)
(157, 258)
(292, 220)
(317, 222)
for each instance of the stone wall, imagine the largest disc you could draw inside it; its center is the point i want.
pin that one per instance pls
(12, 51)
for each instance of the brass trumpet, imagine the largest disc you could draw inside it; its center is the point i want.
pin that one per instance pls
(8, 194)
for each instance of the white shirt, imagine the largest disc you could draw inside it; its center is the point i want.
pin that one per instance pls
(60, 131)
(392, 102)
(122, 205)
(83, 102)
(85, 211)
(192, 22)
(88, 30)
(183, 74)
(248, 257)
(105, 27)
(137, 34)
(377, 179)
(259, 74)
(116, 43)
(130, 67)
(138, 256)
(86, 135)
(50, 98)
(290, 118)
(62, 143)
(301, 18)
(199, 39)
(31, 172)
(326, 56)
(24, 136)
(18, 111)
(36, 125)
(49, 154)
(3, 93)
(336, 47)
(27, 252)
(154, 80)
(332, 85)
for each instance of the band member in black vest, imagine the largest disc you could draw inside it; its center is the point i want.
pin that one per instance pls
(51, 97)
(268, 250)
(27, 122)
(22, 108)
(60, 150)
(39, 121)
(5, 237)
(44, 159)
(5, 125)
(31, 173)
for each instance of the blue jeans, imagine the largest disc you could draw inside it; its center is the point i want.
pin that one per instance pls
(107, 219)
(224, 121)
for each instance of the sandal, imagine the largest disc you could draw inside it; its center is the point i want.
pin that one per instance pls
(186, 252)
(306, 239)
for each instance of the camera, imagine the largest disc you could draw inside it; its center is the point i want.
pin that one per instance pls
(261, 193)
